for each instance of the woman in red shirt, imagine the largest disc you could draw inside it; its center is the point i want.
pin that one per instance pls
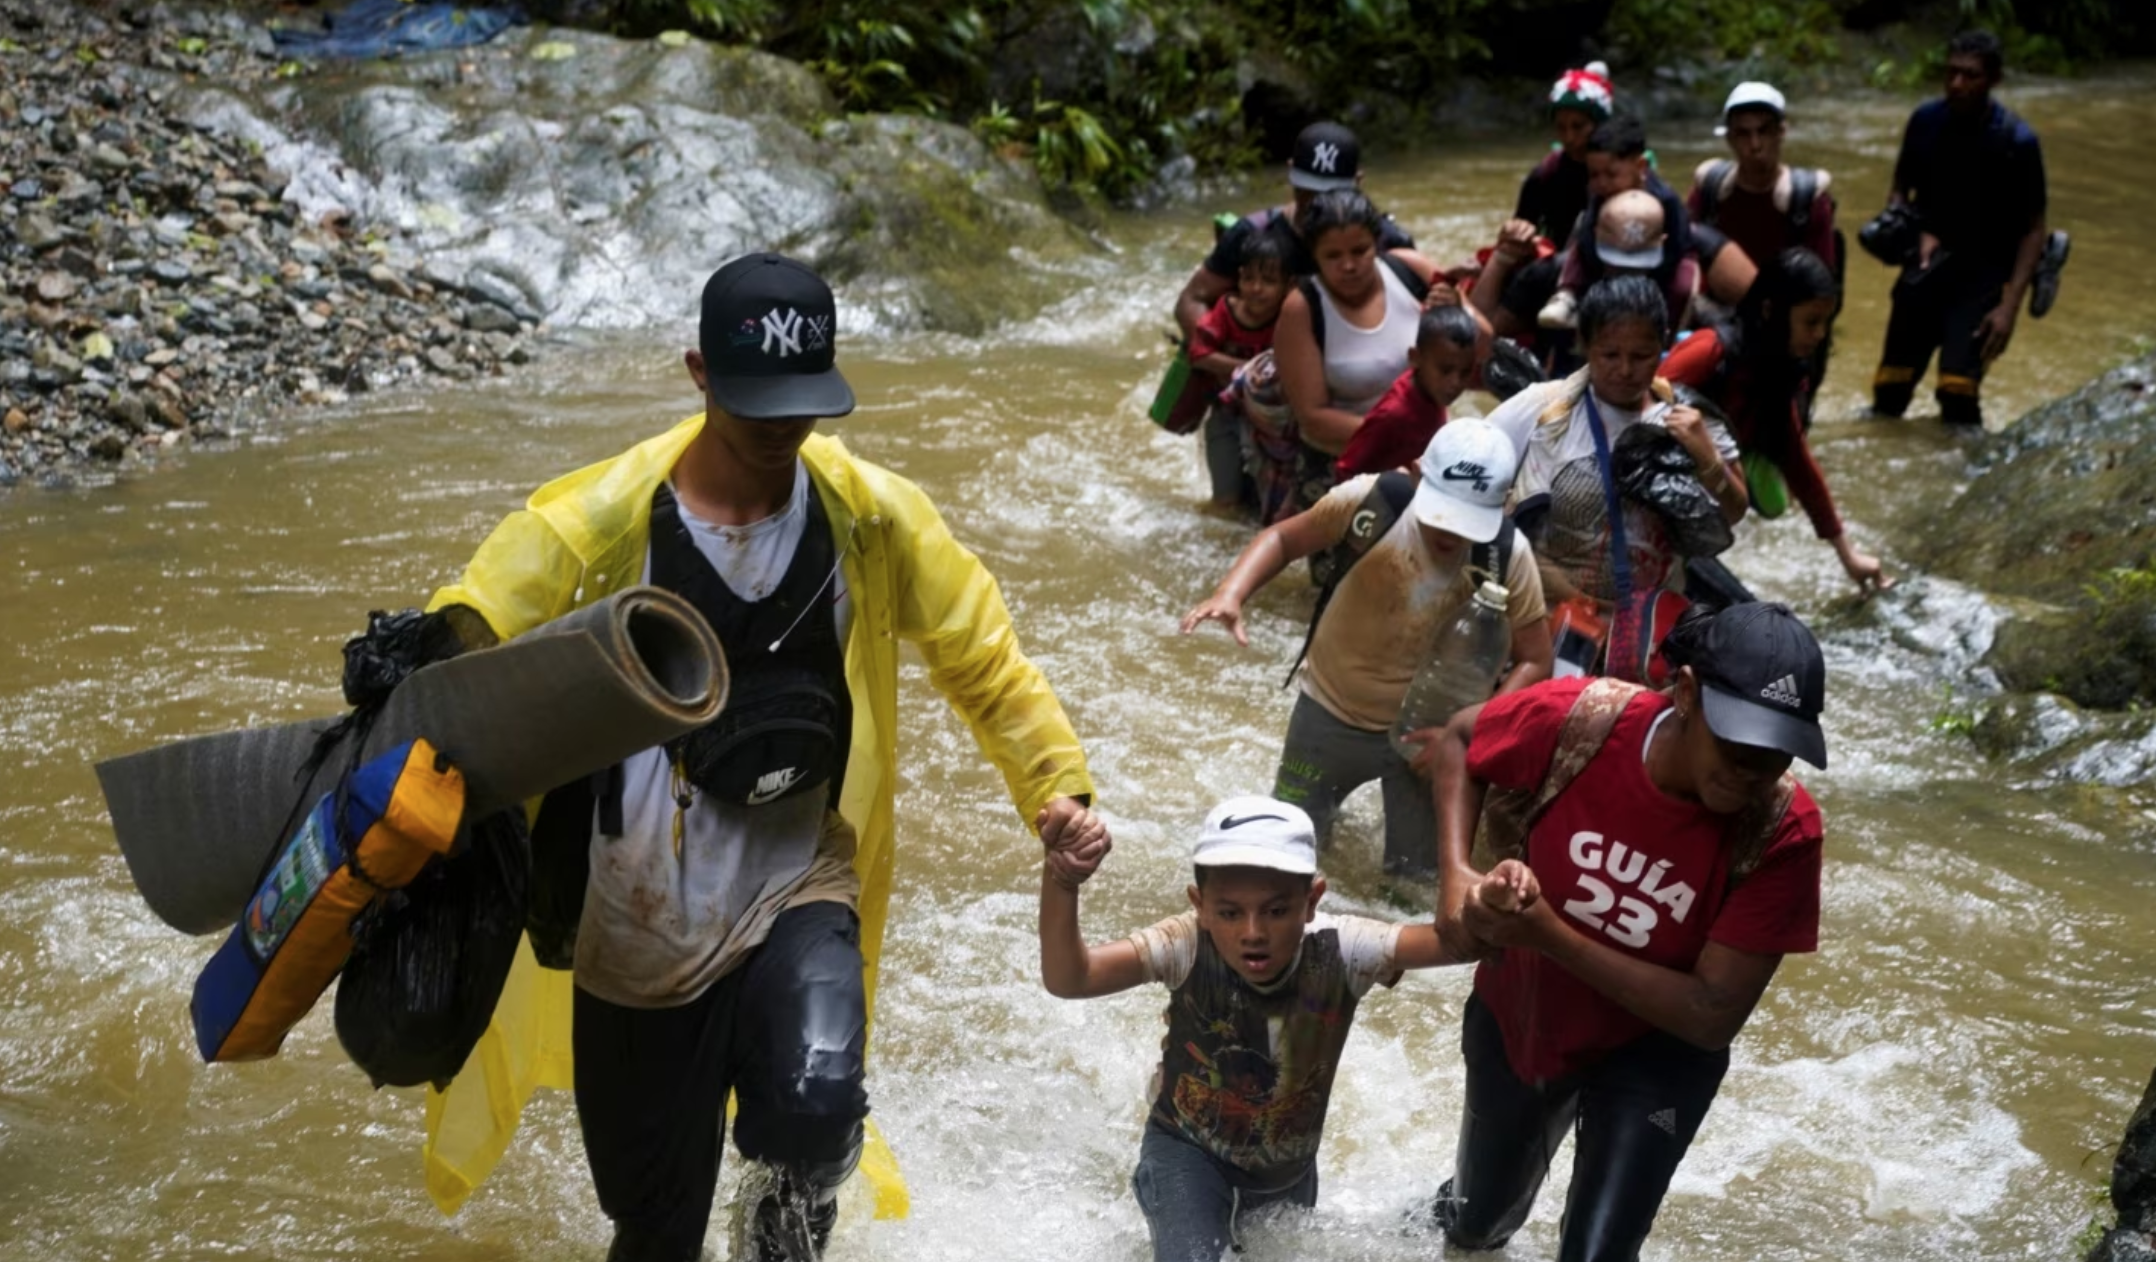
(1758, 370)
(1678, 864)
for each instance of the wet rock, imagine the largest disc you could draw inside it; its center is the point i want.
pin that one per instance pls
(2066, 492)
(485, 317)
(37, 232)
(56, 287)
(16, 421)
(108, 447)
(2061, 524)
(382, 278)
(130, 411)
(2133, 1189)
(172, 271)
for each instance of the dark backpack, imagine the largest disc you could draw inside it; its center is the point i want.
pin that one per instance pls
(1309, 287)
(1373, 517)
(1803, 192)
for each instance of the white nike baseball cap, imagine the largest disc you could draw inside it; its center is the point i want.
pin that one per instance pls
(1466, 474)
(1254, 831)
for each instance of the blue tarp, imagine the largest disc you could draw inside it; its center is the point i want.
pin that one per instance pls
(384, 28)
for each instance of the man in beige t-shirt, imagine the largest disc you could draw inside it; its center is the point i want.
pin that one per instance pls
(1380, 623)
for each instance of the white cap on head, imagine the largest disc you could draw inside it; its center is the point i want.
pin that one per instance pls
(1630, 231)
(1752, 95)
(1466, 474)
(1254, 831)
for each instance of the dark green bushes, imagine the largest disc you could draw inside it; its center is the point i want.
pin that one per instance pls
(1099, 93)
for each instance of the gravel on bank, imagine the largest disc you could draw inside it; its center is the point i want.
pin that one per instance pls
(155, 289)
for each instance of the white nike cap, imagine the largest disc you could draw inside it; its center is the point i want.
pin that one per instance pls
(1467, 471)
(1254, 831)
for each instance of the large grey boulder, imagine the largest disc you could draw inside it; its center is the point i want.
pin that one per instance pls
(597, 181)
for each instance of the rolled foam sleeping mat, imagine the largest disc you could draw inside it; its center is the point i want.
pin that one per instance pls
(197, 819)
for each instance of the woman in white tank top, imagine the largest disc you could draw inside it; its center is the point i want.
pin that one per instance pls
(1368, 312)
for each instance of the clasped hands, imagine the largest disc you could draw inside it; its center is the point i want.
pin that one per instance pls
(1076, 839)
(1479, 913)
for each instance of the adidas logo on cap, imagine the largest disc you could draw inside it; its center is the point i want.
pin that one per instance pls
(1783, 691)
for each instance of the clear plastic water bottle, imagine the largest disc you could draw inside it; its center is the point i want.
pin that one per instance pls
(1462, 669)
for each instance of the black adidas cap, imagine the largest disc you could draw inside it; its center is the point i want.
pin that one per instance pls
(1763, 681)
(769, 335)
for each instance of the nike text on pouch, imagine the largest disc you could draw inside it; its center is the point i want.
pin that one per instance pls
(1469, 471)
(773, 783)
(1237, 821)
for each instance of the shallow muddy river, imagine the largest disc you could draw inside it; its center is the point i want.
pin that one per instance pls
(1943, 1080)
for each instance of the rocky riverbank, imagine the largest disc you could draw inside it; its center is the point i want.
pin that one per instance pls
(155, 285)
(195, 234)
(2058, 528)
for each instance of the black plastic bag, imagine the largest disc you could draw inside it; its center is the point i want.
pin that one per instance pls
(1511, 369)
(1655, 471)
(428, 961)
(393, 646)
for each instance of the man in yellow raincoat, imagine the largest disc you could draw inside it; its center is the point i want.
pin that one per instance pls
(738, 878)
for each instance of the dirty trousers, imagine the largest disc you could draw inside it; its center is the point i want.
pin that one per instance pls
(785, 1033)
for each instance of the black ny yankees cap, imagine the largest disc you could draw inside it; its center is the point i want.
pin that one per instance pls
(769, 335)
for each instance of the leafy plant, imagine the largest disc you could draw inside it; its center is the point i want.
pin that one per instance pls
(1951, 719)
(2126, 590)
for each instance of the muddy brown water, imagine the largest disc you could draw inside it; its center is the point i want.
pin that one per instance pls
(1943, 1080)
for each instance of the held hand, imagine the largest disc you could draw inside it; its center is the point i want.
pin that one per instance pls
(1996, 330)
(1524, 927)
(1443, 293)
(1510, 887)
(1689, 428)
(1225, 610)
(1926, 246)
(1455, 893)
(1075, 838)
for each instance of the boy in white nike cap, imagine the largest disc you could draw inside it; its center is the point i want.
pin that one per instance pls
(1262, 992)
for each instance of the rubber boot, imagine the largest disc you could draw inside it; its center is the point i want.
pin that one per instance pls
(793, 1220)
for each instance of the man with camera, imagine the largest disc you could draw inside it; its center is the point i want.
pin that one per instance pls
(1965, 222)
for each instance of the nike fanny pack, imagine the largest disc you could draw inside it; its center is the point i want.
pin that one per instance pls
(777, 737)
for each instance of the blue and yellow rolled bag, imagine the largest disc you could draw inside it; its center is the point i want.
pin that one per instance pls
(374, 833)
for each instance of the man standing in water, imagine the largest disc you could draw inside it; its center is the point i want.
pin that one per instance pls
(1973, 173)
(1327, 157)
(738, 877)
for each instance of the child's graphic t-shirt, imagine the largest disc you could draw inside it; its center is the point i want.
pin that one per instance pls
(1246, 1073)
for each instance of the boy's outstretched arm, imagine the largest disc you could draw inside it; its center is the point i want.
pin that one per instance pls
(1509, 889)
(1069, 968)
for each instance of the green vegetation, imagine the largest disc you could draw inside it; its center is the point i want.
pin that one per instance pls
(1099, 93)
(1953, 719)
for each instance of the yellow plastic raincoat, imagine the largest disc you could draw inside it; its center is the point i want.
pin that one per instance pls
(584, 536)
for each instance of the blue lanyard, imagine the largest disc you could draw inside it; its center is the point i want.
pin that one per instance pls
(1619, 648)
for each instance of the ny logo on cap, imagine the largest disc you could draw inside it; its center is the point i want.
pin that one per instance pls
(1324, 157)
(1470, 472)
(787, 332)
